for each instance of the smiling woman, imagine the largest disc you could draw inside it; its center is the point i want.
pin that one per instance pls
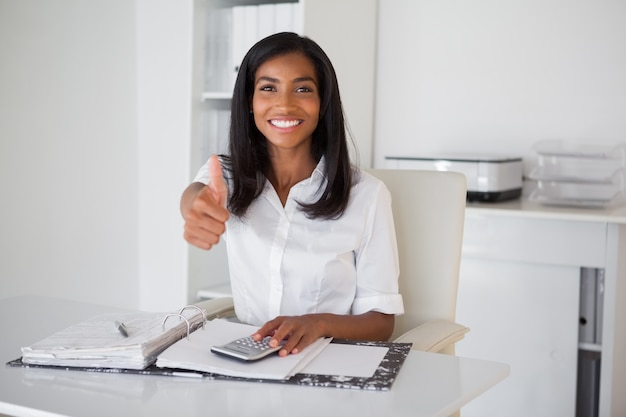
(286, 182)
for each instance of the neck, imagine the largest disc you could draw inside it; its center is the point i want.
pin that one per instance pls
(286, 172)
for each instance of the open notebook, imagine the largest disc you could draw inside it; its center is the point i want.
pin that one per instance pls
(195, 354)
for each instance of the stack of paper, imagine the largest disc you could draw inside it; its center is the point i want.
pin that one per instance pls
(97, 342)
(195, 354)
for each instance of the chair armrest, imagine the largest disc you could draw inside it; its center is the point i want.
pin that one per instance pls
(217, 307)
(434, 335)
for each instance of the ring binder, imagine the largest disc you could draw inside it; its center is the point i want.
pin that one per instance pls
(95, 342)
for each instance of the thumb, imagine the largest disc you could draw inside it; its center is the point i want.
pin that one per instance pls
(216, 181)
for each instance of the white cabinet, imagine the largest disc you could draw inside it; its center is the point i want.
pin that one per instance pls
(520, 299)
(520, 295)
(525, 315)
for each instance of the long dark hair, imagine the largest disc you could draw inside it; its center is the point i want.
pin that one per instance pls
(248, 158)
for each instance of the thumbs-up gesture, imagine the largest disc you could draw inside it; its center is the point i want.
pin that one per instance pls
(216, 181)
(204, 208)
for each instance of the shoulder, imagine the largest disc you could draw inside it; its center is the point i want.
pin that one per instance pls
(370, 201)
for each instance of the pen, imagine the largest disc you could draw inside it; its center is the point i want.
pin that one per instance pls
(121, 328)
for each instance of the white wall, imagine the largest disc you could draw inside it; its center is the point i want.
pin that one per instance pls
(95, 123)
(164, 79)
(492, 76)
(346, 30)
(68, 150)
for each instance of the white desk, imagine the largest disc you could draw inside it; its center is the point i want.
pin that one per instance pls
(428, 384)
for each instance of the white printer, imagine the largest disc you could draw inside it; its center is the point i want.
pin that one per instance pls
(489, 178)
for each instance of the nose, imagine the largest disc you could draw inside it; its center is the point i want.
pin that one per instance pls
(284, 100)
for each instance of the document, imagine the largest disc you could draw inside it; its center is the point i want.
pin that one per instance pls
(347, 360)
(195, 354)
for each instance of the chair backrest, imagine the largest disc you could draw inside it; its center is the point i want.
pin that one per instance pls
(429, 214)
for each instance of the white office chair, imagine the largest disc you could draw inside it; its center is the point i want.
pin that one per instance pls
(429, 213)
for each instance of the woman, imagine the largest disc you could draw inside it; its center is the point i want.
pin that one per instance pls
(310, 239)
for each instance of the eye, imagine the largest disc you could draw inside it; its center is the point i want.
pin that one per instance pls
(267, 87)
(304, 89)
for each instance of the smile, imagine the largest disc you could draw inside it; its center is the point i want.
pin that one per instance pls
(285, 123)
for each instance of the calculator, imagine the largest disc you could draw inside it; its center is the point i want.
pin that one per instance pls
(247, 349)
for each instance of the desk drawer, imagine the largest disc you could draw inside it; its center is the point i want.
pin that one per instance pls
(556, 242)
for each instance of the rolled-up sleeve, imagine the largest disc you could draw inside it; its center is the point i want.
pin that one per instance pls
(377, 264)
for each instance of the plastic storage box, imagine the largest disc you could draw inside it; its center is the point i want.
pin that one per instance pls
(580, 175)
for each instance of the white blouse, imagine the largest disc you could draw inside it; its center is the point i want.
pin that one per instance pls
(283, 263)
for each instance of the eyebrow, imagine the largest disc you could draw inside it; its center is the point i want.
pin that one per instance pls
(275, 80)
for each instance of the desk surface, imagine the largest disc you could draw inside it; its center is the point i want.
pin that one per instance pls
(522, 207)
(428, 384)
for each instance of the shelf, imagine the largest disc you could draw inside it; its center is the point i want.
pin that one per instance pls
(216, 95)
(591, 347)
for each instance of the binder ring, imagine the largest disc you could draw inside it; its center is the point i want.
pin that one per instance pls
(197, 308)
(179, 315)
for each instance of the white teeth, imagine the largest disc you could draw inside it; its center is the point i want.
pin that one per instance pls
(284, 123)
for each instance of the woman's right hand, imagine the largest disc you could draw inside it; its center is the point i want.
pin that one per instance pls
(204, 208)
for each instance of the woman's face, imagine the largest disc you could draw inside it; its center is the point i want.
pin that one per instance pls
(286, 101)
